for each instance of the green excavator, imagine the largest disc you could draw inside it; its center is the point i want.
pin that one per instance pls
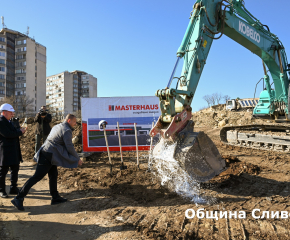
(196, 153)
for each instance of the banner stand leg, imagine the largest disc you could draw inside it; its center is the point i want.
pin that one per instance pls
(123, 167)
(111, 167)
(136, 134)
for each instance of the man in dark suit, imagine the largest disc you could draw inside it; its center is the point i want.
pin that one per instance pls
(10, 153)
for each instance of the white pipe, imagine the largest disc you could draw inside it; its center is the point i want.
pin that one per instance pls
(120, 142)
(136, 144)
(107, 147)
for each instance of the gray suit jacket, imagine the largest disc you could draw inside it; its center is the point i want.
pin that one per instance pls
(59, 144)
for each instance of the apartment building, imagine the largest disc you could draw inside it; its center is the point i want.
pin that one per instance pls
(22, 70)
(64, 91)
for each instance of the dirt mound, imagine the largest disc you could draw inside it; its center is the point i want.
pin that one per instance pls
(235, 168)
(217, 116)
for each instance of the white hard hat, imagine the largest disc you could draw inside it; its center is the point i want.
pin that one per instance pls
(102, 123)
(6, 107)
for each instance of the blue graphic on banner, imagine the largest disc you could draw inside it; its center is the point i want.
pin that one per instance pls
(124, 121)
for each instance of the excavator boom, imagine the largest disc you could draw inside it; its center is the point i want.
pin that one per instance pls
(209, 20)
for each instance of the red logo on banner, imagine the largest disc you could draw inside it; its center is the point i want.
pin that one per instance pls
(134, 107)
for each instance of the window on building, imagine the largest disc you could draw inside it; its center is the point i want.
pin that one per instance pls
(2, 46)
(21, 56)
(2, 39)
(20, 70)
(21, 78)
(2, 54)
(2, 84)
(2, 76)
(20, 64)
(20, 85)
(2, 69)
(2, 91)
(2, 61)
(19, 42)
(18, 93)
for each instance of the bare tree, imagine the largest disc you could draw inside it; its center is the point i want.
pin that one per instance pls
(218, 97)
(24, 105)
(207, 99)
(226, 98)
(212, 99)
(56, 113)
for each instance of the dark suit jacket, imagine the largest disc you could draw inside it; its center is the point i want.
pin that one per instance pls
(10, 153)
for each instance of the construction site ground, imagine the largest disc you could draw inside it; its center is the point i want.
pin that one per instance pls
(132, 204)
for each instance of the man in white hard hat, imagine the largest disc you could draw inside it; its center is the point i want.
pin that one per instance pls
(10, 153)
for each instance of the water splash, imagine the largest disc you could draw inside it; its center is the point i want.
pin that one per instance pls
(171, 175)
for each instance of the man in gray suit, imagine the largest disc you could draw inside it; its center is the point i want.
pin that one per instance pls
(57, 150)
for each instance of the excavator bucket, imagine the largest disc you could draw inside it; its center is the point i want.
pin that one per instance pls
(196, 153)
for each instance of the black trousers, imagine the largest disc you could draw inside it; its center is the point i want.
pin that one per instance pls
(43, 167)
(13, 177)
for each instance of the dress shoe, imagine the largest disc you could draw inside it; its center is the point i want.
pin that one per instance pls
(13, 190)
(58, 200)
(3, 195)
(18, 203)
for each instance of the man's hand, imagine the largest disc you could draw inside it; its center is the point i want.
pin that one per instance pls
(23, 130)
(80, 162)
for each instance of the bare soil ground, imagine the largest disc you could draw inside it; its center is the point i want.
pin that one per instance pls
(131, 204)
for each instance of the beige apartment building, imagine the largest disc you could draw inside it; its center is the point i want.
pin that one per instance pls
(64, 91)
(22, 70)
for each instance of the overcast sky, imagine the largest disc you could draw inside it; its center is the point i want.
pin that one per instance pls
(130, 45)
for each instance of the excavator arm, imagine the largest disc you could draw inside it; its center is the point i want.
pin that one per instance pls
(209, 20)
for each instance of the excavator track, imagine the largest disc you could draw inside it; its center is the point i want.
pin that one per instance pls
(270, 137)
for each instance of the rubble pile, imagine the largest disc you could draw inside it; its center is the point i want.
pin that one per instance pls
(218, 117)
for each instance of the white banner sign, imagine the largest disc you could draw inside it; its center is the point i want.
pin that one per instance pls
(125, 110)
